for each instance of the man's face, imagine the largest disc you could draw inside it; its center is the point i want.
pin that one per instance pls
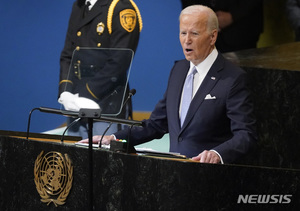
(196, 41)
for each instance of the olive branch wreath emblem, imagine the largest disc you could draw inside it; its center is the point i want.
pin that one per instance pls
(53, 175)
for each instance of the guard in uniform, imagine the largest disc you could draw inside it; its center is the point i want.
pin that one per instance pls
(97, 24)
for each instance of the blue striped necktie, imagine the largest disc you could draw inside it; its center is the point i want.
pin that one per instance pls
(187, 95)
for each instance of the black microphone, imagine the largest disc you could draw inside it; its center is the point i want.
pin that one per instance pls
(122, 121)
(131, 93)
(67, 128)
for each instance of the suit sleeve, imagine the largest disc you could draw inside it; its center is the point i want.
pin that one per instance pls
(153, 128)
(240, 112)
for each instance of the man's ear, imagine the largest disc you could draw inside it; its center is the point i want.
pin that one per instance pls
(214, 35)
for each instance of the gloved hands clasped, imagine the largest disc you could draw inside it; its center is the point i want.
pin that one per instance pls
(73, 102)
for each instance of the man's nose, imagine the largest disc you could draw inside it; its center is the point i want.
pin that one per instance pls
(187, 38)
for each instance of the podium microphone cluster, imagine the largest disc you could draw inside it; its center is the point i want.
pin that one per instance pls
(82, 113)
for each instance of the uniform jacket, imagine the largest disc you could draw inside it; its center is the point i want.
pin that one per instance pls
(220, 115)
(104, 26)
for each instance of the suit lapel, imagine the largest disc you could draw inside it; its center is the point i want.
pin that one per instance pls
(178, 76)
(210, 80)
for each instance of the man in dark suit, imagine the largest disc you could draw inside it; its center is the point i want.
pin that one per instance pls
(105, 24)
(219, 125)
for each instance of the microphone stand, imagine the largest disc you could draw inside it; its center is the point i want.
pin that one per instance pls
(91, 161)
(90, 114)
(69, 126)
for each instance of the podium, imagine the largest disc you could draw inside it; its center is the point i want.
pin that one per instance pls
(134, 182)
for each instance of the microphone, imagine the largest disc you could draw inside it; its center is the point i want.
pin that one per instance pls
(131, 93)
(67, 128)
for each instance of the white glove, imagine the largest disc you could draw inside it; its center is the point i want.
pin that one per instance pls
(83, 102)
(67, 99)
(73, 102)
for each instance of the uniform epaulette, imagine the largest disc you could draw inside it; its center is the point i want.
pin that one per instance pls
(111, 12)
(138, 14)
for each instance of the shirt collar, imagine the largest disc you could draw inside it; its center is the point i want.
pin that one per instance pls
(206, 64)
(93, 2)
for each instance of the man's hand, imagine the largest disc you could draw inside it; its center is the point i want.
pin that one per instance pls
(96, 139)
(207, 157)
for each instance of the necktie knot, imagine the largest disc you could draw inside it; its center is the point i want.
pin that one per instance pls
(86, 8)
(194, 71)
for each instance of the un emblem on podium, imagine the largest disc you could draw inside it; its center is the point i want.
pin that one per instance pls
(53, 177)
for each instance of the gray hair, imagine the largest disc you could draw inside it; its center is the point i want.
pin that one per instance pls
(212, 20)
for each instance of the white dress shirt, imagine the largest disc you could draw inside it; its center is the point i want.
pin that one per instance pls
(202, 70)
